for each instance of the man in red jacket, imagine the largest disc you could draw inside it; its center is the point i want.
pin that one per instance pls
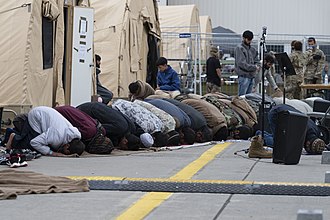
(92, 132)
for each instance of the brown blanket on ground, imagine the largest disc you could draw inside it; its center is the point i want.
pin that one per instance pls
(13, 183)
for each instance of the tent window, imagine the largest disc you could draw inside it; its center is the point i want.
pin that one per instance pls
(47, 43)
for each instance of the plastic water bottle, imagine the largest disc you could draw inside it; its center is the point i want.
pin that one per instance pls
(326, 79)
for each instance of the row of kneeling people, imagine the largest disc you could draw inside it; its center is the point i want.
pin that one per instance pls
(130, 125)
(98, 128)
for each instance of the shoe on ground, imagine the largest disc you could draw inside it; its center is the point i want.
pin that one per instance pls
(257, 149)
(17, 160)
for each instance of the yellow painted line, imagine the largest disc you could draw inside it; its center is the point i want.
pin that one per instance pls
(152, 200)
(292, 184)
(169, 180)
(135, 212)
(189, 171)
(144, 206)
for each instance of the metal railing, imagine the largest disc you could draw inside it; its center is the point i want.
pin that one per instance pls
(187, 52)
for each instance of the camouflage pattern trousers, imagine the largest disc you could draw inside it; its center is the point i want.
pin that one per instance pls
(292, 87)
(212, 88)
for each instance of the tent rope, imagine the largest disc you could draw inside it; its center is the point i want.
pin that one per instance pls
(22, 6)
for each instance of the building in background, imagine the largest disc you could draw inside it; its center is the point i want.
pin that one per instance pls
(281, 17)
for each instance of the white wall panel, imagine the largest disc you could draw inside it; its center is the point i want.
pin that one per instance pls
(281, 16)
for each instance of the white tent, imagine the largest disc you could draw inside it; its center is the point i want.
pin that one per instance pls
(124, 31)
(176, 20)
(32, 54)
(206, 36)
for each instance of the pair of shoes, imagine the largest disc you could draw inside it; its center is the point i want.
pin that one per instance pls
(257, 149)
(29, 154)
(17, 160)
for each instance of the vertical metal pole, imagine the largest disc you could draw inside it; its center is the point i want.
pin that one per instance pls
(263, 92)
(68, 53)
(263, 42)
(284, 84)
(199, 64)
(195, 64)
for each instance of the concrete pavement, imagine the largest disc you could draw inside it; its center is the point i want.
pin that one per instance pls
(212, 162)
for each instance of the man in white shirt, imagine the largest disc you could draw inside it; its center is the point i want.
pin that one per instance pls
(57, 136)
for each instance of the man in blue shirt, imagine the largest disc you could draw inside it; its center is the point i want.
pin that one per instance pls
(168, 82)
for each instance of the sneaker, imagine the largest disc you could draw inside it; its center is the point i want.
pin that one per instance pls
(30, 155)
(3, 157)
(17, 160)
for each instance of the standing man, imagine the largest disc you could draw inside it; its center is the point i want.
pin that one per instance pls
(213, 71)
(168, 82)
(268, 64)
(246, 59)
(315, 60)
(297, 57)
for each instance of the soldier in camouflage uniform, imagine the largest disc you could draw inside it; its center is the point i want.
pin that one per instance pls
(297, 57)
(314, 63)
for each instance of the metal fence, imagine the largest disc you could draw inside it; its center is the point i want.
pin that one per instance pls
(187, 53)
(183, 53)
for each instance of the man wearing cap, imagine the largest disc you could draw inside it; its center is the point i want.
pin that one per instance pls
(145, 119)
(147, 140)
(213, 71)
(268, 65)
(246, 60)
(293, 82)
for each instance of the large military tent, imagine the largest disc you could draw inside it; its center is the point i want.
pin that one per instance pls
(126, 34)
(177, 23)
(206, 36)
(31, 44)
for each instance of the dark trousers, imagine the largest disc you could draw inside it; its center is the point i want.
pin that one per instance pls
(22, 140)
(113, 121)
(105, 94)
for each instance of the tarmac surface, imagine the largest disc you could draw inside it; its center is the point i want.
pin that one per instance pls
(191, 167)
